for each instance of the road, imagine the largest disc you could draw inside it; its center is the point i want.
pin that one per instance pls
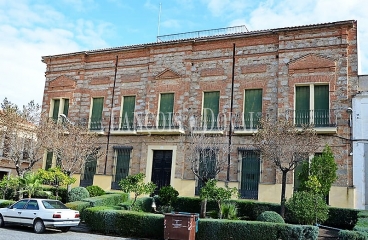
(18, 232)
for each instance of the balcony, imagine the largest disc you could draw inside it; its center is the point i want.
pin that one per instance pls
(148, 123)
(324, 121)
(210, 124)
(246, 124)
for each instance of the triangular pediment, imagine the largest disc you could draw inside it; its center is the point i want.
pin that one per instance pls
(62, 82)
(167, 74)
(311, 61)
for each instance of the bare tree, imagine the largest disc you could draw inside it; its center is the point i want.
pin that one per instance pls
(285, 145)
(208, 155)
(74, 146)
(25, 134)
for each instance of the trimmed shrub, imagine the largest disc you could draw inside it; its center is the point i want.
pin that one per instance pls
(77, 194)
(6, 203)
(270, 216)
(62, 193)
(125, 223)
(107, 199)
(250, 209)
(335, 219)
(352, 235)
(143, 204)
(306, 208)
(168, 195)
(213, 229)
(79, 206)
(95, 191)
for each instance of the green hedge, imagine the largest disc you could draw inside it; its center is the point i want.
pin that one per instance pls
(352, 235)
(6, 203)
(107, 199)
(125, 223)
(343, 218)
(62, 192)
(147, 225)
(79, 206)
(213, 229)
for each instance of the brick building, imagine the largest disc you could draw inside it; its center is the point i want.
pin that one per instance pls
(308, 73)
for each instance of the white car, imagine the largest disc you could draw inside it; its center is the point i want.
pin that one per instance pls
(40, 214)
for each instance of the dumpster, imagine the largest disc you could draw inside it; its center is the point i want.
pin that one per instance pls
(180, 225)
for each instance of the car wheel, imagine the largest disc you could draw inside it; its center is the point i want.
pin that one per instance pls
(1, 221)
(65, 229)
(38, 226)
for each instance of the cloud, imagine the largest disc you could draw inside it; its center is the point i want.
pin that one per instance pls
(223, 7)
(286, 13)
(32, 31)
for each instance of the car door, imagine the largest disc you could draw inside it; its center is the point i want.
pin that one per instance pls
(29, 212)
(14, 212)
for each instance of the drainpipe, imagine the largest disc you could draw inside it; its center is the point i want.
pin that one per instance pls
(112, 107)
(231, 115)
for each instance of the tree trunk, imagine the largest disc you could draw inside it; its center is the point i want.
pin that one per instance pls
(283, 190)
(203, 208)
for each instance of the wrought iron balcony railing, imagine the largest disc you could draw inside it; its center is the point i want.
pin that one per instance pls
(319, 118)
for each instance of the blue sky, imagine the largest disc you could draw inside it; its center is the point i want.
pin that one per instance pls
(30, 29)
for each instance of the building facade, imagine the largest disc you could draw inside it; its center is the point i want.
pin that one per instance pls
(359, 122)
(139, 97)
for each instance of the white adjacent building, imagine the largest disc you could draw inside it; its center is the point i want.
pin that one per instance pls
(359, 123)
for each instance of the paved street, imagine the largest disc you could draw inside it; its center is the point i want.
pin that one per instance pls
(17, 232)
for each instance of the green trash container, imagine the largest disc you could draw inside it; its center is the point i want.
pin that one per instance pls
(180, 225)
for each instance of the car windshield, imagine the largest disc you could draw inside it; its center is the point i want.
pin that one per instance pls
(49, 204)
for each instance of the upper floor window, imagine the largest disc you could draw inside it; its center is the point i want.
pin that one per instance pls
(96, 114)
(252, 108)
(210, 111)
(127, 113)
(165, 114)
(312, 105)
(59, 106)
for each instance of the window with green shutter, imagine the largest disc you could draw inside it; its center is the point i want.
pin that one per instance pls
(55, 111)
(207, 167)
(96, 115)
(166, 110)
(250, 174)
(302, 105)
(49, 157)
(127, 116)
(122, 155)
(60, 106)
(211, 102)
(321, 106)
(312, 105)
(66, 107)
(252, 108)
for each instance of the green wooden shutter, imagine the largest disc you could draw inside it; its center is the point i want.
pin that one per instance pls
(211, 109)
(166, 110)
(49, 160)
(252, 108)
(321, 105)
(55, 111)
(297, 171)
(207, 167)
(250, 172)
(127, 117)
(96, 115)
(302, 106)
(66, 107)
(122, 164)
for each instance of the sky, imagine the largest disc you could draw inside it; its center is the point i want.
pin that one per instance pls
(30, 29)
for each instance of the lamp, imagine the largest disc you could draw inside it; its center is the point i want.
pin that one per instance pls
(349, 110)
